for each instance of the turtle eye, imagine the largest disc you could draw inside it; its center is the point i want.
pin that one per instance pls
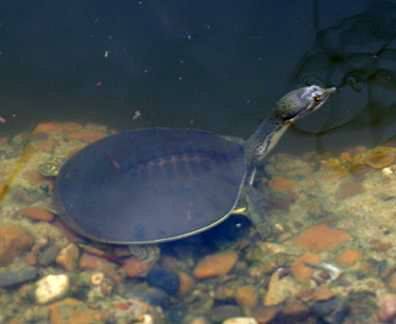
(317, 98)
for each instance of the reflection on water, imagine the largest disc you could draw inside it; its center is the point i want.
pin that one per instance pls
(357, 55)
(329, 257)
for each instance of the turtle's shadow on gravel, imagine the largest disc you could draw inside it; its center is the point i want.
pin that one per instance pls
(233, 229)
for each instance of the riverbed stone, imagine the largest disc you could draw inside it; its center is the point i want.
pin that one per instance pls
(37, 214)
(16, 276)
(14, 241)
(51, 288)
(68, 257)
(215, 265)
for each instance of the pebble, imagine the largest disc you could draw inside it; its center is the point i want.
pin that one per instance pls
(164, 279)
(199, 320)
(280, 289)
(34, 178)
(392, 281)
(136, 268)
(322, 237)
(240, 320)
(287, 165)
(380, 157)
(323, 293)
(349, 188)
(223, 312)
(14, 277)
(71, 310)
(246, 297)
(48, 255)
(14, 241)
(295, 310)
(215, 265)
(333, 310)
(281, 184)
(387, 307)
(94, 263)
(300, 269)
(348, 257)
(37, 214)
(68, 257)
(51, 287)
(265, 314)
(186, 283)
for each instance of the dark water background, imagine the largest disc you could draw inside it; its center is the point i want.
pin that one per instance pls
(216, 65)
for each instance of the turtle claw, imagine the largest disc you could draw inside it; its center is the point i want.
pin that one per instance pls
(145, 252)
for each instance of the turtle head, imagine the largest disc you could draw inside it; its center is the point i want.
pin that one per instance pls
(300, 102)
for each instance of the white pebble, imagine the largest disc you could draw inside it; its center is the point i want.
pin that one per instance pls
(147, 319)
(387, 172)
(240, 320)
(51, 287)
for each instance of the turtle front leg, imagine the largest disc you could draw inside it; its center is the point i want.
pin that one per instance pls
(257, 211)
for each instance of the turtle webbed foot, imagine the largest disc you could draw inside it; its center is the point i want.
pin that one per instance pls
(145, 252)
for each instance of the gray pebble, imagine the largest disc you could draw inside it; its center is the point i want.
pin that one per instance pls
(16, 277)
(223, 312)
(48, 255)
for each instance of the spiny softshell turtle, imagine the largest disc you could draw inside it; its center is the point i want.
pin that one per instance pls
(160, 184)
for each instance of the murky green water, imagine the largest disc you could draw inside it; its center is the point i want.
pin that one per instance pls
(77, 72)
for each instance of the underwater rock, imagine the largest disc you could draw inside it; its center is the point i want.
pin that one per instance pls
(295, 311)
(349, 188)
(380, 157)
(14, 277)
(387, 307)
(134, 310)
(391, 281)
(289, 166)
(164, 279)
(95, 263)
(323, 293)
(199, 320)
(72, 310)
(215, 265)
(185, 283)
(300, 269)
(322, 237)
(333, 310)
(68, 257)
(47, 255)
(280, 289)
(265, 314)
(222, 312)
(136, 268)
(37, 214)
(246, 297)
(51, 287)
(282, 184)
(34, 178)
(224, 292)
(14, 241)
(348, 257)
(240, 320)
